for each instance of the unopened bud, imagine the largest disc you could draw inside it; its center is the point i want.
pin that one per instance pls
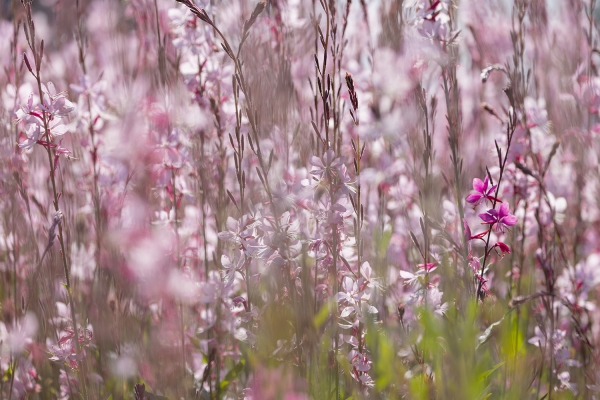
(27, 63)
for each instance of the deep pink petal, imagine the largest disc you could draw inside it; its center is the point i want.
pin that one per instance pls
(503, 210)
(487, 218)
(503, 247)
(474, 198)
(509, 220)
(478, 185)
(494, 213)
(467, 230)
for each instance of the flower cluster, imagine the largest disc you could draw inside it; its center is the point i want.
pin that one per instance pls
(44, 120)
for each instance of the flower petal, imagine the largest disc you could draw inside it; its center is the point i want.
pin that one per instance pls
(509, 220)
(478, 185)
(503, 247)
(503, 210)
(474, 198)
(487, 217)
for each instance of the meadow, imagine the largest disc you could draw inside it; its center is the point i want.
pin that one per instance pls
(299, 199)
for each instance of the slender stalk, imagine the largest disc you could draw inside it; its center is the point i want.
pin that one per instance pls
(38, 55)
(449, 85)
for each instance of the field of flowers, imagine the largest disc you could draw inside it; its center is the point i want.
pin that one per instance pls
(299, 199)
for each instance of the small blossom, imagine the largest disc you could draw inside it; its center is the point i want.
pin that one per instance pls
(327, 166)
(474, 263)
(482, 193)
(565, 381)
(231, 267)
(501, 217)
(238, 231)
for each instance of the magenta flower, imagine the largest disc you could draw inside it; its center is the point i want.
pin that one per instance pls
(481, 192)
(503, 247)
(501, 217)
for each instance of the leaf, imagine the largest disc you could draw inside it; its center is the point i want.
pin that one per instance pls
(383, 365)
(482, 338)
(484, 375)
(232, 374)
(385, 241)
(67, 288)
(322, 315)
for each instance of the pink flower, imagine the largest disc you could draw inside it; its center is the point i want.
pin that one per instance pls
(481, 192)
(231, 267)
(55, 104)
(64, 350)
(501, 217)
(239, 231)
(474, 263)
(327, 166)
(503, 247)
